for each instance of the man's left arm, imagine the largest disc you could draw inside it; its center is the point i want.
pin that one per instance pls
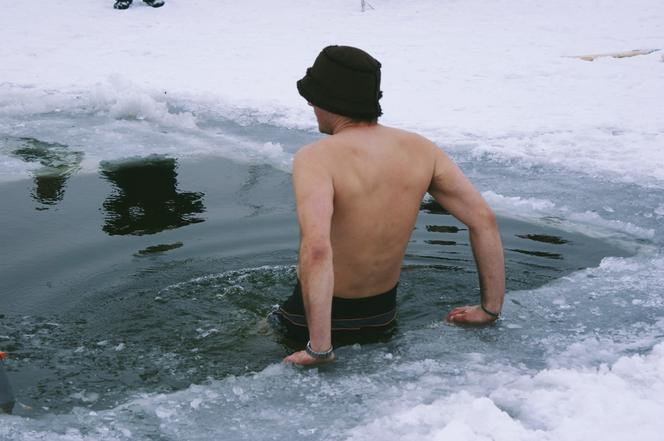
(314, 197)
(453, 190)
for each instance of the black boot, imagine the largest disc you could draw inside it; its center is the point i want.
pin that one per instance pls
(122, 4)
(154, 3)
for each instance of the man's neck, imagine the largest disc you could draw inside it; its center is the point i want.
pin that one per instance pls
(345, 124)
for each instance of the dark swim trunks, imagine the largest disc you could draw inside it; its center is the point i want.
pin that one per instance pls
(367, 317)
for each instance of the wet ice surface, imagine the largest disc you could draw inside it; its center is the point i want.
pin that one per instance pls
(142, 266)
(144, 324)
(554, 367)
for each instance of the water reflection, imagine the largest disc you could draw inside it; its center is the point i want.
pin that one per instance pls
(58, 164)
(538, 253)
(158, 249)
(432, 207)
(441, 242)
(146, 198)
(443, 229)
(555, 240)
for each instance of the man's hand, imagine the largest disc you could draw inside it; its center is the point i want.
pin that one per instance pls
(303, 359)
(469, 315)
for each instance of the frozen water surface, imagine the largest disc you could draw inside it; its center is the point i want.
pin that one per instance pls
(138, 312)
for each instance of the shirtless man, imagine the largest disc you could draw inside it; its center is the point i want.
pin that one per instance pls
(358, 193)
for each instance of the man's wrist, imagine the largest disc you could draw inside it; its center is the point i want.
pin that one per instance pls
(319, 355)
(495, 315)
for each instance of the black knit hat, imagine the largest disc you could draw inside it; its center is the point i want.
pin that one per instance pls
(344, 80)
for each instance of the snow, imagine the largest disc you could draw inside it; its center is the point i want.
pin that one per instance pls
(494, 75)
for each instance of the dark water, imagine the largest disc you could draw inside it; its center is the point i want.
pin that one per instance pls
(155, 274)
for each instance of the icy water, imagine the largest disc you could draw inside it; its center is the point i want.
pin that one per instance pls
(139, 262)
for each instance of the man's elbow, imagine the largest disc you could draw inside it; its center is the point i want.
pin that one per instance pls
(485, 220)
(315, 252)
(490, 218)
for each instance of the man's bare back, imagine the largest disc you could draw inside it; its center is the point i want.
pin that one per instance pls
(380, 176)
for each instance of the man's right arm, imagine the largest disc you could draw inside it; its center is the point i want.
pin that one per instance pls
(314, 196)
(451, 189)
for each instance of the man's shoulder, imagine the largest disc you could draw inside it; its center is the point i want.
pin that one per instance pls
(313, 156)
(311, 151)
(409, 136)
